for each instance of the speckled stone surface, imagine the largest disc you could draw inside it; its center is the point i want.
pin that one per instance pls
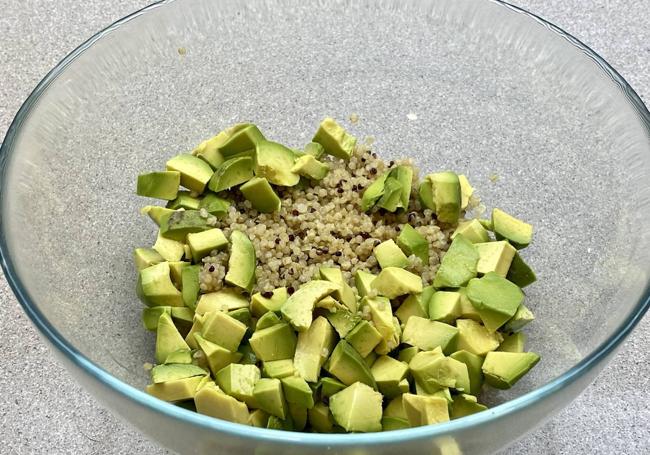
(43, 410)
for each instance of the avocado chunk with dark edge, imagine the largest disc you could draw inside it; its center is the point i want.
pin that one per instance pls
(503, 369)
(506, 226)
(159, 185)
(334, 139)
(520, 273)
(241, 264)
(231, 173)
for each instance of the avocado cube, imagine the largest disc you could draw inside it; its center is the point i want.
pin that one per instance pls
(494, 257)
(314, 149)
(190, 285)
(441, 193)
(182, 317)
(370, 358)
(202, 243)
(310, 167)
(448, 372)
(223, 330)
(242, 315)
(226, 299)
(474, 364)
(181, 223)
(168, 339)
(495, 298)
(466, 191)
(155, 212)
(444, 306)
(421, 366)
(174, 372)
(464, 405)
(320, 418)
(239, 381)
(472, 230)
(426, 334)
(522, 317)
(216, 356)
(267, 320)
(475, 338)
(394, 423)
(170, 250)
(503, 369)
(176, 271)
(415, 305)
(362, 281)
(297, 391)
(298, 416)
(357, 408)
(240, 138)
(214, 205)
(231, 173)
(423, 410)
(155, 287)
(388, 254)
(176, 390)
(413, 243)
(195, 173)
(334, 139)
(381, 315)
(346, 365)
(242, 261)
(345, 294)
(208, 150)
(507, 227)
(388, 374)
(343, 321)
(393, 282)
(261, 195)
(407, 353)
(146, 257)
(275, 162)
(196, 328)
(458, 265)
(395, 408)
(404, 175)
(269, 397)
(364, 338)
(179, 357)
(151, 315)
(513, 343)
(258, 418)
(313, 348)
(374, 192)
(183, 200)
(299, 306)
(159, 185)
(211, 401)
(466, 308)
(278, 368)
(277, 342)
(387, 344)
(261, 304)
(520, 273)
(330, 386)
(392, 197)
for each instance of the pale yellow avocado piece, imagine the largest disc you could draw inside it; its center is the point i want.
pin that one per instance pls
(364, 338)
(357, 408)
(242, 261)
(308, 166)
(169, 249)
(196, 328)
(393, 282)
(422, 410)
(223, 330)
(345, 294)
(156, 212)
(494, 257)
(177, 390)
(503, 369)
(362, 281)
(472, 230)
(239, 381)
(313, 348)
(381, 315)
(211, 401)
(427, 334)
(216, 356)
(277, 342)
(261, 304)
(388, 374)
(226, 299)
(388, 254)
(466, 191)
(334, 139)
(475, 338)
(395, 408)
(195, 173)
(444, 306)
(202, 243)
(387, 345)
(299, 306)
(258, 418)
(420, 367)
(155, 287)
(270, 397)
(208, 150)
(168, 339)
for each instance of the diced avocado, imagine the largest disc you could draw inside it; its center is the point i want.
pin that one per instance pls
(278, 368)
(373, 192)
(299, 306)
(513, 343)
(184, 200)
(476, 338)
(458, 265)
(357, 408)
(177, 390)
(394, 423)
(155, 212)
(411, 306)
(248, 357)
(262, 303)
(506, 226)
(426, 195)
(407, 353)
(392, 197)
(211, 401)
(412, 242)
(277, 342)
(320, 418)
(427, 334)
(242, 315)
(388, 374)
(168, 339)
(231, 173)
(381, 315)
(182, 315)
(393, 282)
(174, 372)
(487, 224)
(242, 261)
(334, 139)
(520, 273)
(169, 249)
(190, 285)
(423, 410)
(270, 397)
(275, 423)
(494, 257)
(404, 175)
(297, 391)
(503, 369)
(420, 367)
(275, 162)
(242, 138)
(216, 356)
(176, 271)
(390, 342)
(444, 306)
(261, 195)
(268, 320)
(151, 315)
(314, 149)
(442, 392)
(343, 321)
(298, 414)
(388, 254)
(179, 357)
(239, 381)
(441, 193)
(187, 252)
(208, 150)
(195, 173)
(330, 386)
(466, 191)
(447, 372)
(495, 298)
(362, 282)
(226, 299)
(474, 364)
(395, 408)
(465, 405)
(466, 308)
(345, 294)
(364, 338)
(223, 330)
(202, 243)
(370, 358)
(310, 167)
(522, 317)
(155, 287)
(472, 230)
(181, 223)
(214, 205)
(348, 366)
(146, 257)
(313, 348)
(160, 185)
(196, 328)
(258, 418)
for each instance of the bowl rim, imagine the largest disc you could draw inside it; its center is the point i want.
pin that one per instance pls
(278, 436)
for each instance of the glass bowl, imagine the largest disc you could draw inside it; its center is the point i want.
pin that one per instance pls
(543, 127)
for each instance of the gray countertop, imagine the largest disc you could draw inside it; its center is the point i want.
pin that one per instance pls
(42, 410)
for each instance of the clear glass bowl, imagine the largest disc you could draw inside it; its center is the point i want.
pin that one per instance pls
(542, 126)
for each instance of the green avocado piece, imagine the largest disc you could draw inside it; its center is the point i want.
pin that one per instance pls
(466, 191)
(465, 405)
(182, 315)
(231, 173)
(448, 372)
(513, 343)
(364, 338)
(412, 242)
(216, 356)
(242, 315)
(297, 391)
(407, 353)
(330, 386)
(241, 138)
(441, 193)
(177, 390)
(176, 271)
(522, 317)
(298, 415)
(348, 366)
(226, 299)
(239, 381)
(503, 369)
(506, 226)
(242, 261)
(423, 410)
(314, 149)
(173, 372)
(458, 265)
(223, 330)
(487, 224)
(394, 423)
(466, 308)
(427, 334)
(320, 418)
(168, 339)
(388, 374)
(299, 306)
(177, 225)
(391, 341)
(381, 315)
(415, 305)
(343, 321)
(170, 250)
(388, 254)
(277, 342)
(261, 304)
(275, 162)
(211, 401)
(155, 212)
(310, 167)
(373, 192)
(258, 418)
(208, 150)
(475, 338)
(196, 328)
(146, 257)
(195, 173)
(275, 423)
(345, 294)
(278, 368)
(202, 243)
(474, 364)
(179, 357)
(155, 287)
(313, 348)
(426, 195)
(184, 200)
(494, 257)
(214, 204)
(357, 408)
(444, 306)
(393, 282)
(392, 197)
(420, 367)
(404, 175)
(334, 139)
(520, 273)
(495, 298)
(362, 280)
(473, 231)
(190, 285)
(160, 185)
(151, 315)
(269, 397)
(261, 195)
(395, 408)
(268, 320)
(370, 358)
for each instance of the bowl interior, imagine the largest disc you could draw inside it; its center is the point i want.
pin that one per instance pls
(537, 126)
